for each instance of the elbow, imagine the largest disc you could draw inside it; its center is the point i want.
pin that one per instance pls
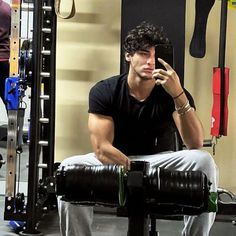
(97, 148)
(197, 144)
(99, 153)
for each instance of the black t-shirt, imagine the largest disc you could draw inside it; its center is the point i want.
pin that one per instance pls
(140, 127)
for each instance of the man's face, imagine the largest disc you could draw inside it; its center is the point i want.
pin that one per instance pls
(142, 63)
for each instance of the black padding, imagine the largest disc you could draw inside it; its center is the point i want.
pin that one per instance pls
(198, 43)
(169, 14)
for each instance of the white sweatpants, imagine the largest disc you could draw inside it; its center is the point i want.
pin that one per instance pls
(76, 220)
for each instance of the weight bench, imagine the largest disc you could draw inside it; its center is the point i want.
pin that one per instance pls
(138, 194)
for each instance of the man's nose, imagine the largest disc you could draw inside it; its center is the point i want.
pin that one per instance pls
(151, 60)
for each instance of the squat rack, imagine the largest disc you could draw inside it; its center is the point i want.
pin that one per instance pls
(42, 117)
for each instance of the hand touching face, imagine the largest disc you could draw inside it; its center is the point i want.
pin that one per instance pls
(167, 78)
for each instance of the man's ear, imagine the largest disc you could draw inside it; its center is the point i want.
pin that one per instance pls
(127, 56)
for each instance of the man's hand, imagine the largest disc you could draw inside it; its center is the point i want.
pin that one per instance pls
(168, 79)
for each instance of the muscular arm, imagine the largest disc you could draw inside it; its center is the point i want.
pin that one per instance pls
(189, 126)
(101, 130)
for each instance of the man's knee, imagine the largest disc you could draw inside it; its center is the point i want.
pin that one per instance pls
(87, 159)
(204, 161)
(70, 161)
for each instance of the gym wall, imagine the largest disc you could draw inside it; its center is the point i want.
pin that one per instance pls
(88, 50)
(198, 79)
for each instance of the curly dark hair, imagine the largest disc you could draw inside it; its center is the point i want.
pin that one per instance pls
(143, 37)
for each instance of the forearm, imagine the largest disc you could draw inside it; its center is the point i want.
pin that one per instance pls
(188, 124)
(102, 135)
(191, 131)
(108, 154)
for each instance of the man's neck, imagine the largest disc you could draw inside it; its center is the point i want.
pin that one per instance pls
(140, 88)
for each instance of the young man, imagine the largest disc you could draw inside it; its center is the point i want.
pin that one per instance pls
(5, 28)
(135, 116)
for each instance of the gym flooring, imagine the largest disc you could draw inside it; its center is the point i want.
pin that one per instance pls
(111, 225)
(106, 223)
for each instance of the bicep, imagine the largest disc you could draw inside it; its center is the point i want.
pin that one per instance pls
(101, 129)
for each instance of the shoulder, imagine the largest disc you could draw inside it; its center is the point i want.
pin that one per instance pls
(111, 81)
(109, 84)
(103, 94)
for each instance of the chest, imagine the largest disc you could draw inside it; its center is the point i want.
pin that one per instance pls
(150, 116)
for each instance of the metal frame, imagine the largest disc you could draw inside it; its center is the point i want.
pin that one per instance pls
(42, 118)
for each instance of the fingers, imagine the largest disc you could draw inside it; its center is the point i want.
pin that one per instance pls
(165, 64)
(167, 77)
(160, 82)
(169, 70)
(160, 76)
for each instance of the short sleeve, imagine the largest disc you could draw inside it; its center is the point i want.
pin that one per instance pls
(100, 99)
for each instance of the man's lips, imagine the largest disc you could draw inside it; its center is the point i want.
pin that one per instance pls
(149, 70)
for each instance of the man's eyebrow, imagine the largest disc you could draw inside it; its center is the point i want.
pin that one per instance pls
(143, 50)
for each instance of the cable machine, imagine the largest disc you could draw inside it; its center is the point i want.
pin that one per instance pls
(38, 71)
